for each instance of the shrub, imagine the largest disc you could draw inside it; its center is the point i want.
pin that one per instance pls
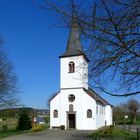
(4, 127)
(38, 128)
(105, 131)
(24, 122)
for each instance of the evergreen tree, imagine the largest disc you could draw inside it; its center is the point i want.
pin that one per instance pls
(24, 122)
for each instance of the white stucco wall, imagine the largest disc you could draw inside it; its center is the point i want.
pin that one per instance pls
(81, 104)
(100, 116)
(55, 105)
(76, 106)
(89, 103)
(77, 79)
(108, 112)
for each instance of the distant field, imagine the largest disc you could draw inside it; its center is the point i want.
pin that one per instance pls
(10, 122)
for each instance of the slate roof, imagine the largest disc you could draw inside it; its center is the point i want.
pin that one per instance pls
(96, 97)
(74, 46)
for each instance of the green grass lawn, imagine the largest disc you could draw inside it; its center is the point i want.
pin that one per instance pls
(12, 132)
(11, 128)
(116, 133)
(10, 122)
(138, 121)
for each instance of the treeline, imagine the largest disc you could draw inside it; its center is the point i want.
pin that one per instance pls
(13, 112)
(127, 112)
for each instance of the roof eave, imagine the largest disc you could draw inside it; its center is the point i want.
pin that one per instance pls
(71, 55)
(101, 100)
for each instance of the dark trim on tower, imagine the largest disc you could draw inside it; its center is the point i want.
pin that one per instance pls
(71, 88)
(63, 56)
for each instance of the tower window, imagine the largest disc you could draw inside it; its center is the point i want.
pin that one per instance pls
(55, 114)
(71, 67)
(89, 113)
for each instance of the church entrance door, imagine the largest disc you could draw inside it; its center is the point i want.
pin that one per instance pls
(71, 120)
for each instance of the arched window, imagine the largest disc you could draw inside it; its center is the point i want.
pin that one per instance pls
(71, 108)
(71, 67)
(89, 113)
(55, 114)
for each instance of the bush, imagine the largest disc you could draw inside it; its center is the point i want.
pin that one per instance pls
(105, 130)
(4, 119)
(4, 127)
(24, 122)
(38, 128)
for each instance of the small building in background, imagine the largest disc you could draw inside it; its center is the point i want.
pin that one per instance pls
(39, 120)
(39, 115)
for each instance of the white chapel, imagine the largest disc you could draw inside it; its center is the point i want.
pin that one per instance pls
(76, 105)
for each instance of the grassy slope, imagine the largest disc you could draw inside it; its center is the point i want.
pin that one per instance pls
(12, 132)
(12, 124)
(11, 127)
(117, 133)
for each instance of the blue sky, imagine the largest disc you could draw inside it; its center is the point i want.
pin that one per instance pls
(33, 47)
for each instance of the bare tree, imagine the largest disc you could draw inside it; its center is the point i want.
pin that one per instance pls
(8, 81)
(111, 28)
(133, 106)
(128, 108)
(119, 112)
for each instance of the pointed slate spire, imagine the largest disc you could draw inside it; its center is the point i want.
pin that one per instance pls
(74, 46)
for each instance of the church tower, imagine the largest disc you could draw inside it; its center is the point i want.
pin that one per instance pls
(74, 63)
(76, 106)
